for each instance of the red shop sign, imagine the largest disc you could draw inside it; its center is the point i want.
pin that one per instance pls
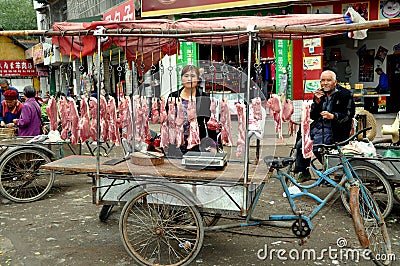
(122, 12)
(17, 68)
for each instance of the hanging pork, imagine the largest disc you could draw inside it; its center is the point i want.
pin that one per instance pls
(225, 120)
(84, 123)
(113, 131)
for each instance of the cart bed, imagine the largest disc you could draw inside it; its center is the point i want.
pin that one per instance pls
(171, 168)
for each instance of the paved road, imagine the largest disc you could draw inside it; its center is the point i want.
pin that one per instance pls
(64, 229)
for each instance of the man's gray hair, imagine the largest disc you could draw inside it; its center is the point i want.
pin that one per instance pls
(333, 74)
(3, 81)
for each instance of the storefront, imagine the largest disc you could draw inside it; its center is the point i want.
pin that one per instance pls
(19, 71)
(355, 64)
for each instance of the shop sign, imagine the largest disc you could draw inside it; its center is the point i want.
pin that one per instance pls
(38, 54)
(42, 71)
(171, 7)
(283, 51)
(17, 68)
(188, 55)
(122, 12)
(52, 56)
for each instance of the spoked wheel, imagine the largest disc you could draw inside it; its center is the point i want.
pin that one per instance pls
(21, 179)
(370, 226)
(161, 227)
(378, 186)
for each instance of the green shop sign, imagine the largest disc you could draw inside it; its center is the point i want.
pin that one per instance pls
(283, 68)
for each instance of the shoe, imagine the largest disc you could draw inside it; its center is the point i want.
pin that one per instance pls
(303, 177)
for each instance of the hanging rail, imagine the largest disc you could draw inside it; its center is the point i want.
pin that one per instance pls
(154, 32)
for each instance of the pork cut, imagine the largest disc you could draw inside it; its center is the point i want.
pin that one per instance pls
(64, 114)
(84, 123)
(274, 105)
(241, 142)
(225, 121)
(194, 134)
(256, 105)
(164, 125)
(171, 120)
(104, 118)
(155, 114)
(125, 118)
(138, 116)
(113, 130)
(145, 121)
(212, 123)
(287, 111)
(180, 120)
(52, 113)
(93, 117)
(73, 119)
(307, 144)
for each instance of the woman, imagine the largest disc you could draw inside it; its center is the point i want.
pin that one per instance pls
(11, 108)
(29, 123)
(190, 90)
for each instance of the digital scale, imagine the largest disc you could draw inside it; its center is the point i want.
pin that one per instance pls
(204, 160)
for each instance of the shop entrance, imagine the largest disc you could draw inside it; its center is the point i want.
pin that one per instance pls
(393, 72)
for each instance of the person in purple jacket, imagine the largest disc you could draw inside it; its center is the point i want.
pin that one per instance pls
(29, 123)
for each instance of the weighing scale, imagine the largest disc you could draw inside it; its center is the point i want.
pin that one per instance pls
(204, 160)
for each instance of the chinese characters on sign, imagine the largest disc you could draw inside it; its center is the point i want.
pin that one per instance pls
(18, 68)
(122, 12)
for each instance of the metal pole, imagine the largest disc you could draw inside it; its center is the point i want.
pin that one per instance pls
(98, 116)
(250, 29)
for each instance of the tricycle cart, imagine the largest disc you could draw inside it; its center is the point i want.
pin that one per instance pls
(165, 206)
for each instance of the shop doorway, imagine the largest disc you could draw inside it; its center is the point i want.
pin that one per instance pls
(393, 72)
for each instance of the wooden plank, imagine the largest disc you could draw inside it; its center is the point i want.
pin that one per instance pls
(171, 168)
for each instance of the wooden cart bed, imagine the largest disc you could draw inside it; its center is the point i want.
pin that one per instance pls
(171, 168)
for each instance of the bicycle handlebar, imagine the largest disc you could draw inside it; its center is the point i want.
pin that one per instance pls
(336, 144)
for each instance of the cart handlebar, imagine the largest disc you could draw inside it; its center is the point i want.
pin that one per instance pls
(344, 142)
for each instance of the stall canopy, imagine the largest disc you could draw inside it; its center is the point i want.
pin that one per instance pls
(144, 39)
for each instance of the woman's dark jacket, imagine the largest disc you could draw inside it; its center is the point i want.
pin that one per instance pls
(343, 108)
(202, 110)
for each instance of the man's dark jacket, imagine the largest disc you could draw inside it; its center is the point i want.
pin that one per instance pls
(343, 108)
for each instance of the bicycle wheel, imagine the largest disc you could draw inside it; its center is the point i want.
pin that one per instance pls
(161, 227)
(377, 184)
(21, 179)
(370, 224)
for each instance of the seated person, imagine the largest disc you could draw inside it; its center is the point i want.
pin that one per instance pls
(332, 112)
(11, 108)
(190, 82)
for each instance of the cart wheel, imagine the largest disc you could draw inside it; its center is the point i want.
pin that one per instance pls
(210, 219)
(378, 186)
(161, 227)
(370, 226)
(105, 212)
(396, 193)
(21, 179)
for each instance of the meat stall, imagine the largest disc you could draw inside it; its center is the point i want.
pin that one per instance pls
(188, 200)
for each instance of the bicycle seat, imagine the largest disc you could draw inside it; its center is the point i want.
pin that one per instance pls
(278, 162)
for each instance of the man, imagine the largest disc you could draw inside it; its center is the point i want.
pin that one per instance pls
(383, 86)
(6, 86)
(332, 112)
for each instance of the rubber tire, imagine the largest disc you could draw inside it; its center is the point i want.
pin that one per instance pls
(20, 170)
(161, 224)
(367, 227)
(210, 219)
(105, 212)
(382, 182)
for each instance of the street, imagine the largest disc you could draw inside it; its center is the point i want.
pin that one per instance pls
(64, 229)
